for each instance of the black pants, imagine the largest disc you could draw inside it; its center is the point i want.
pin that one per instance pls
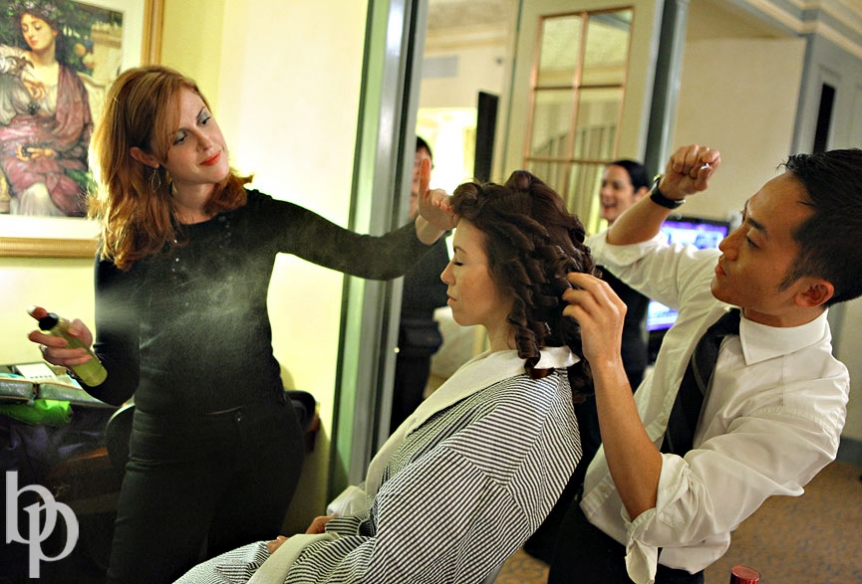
(585, 555)
(222, 480)
(418, 340)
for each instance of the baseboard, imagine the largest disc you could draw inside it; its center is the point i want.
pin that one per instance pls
(850, 451)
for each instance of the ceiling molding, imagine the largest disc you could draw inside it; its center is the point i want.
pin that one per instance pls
(829, 33)
(459, 38)
(457, 24)
(847, 12)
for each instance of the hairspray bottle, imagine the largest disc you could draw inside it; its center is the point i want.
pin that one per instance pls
(92, 372)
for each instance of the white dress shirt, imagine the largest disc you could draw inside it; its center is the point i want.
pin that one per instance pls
(771, 420)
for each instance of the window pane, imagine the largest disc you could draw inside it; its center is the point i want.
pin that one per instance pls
(583, 194)
(558, 56)
(552, 173)
(552, 119)
(607, 48)
(598, 117)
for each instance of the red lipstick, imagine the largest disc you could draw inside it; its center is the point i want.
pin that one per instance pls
(211, 160)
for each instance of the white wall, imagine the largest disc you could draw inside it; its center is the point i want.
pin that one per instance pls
(741, 96)
(479, 68)
(848, 343)
(448, 105)
(829, 63)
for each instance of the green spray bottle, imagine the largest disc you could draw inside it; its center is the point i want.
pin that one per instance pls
(92, 372)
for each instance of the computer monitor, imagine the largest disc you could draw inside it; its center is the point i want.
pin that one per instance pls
(702, 233)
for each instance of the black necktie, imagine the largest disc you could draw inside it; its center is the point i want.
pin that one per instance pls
(686, 409)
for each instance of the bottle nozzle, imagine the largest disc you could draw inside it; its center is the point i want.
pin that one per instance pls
(48, 321)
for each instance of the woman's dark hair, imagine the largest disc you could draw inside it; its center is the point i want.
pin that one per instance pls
(421, 143)
(532, 242)
(637, 172)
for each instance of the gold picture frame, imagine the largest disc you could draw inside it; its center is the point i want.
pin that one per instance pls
(36, 237)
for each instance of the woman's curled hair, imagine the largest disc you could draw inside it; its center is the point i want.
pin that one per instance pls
(532, 243)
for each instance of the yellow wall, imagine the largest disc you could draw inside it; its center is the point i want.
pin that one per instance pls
(763, 114)
(62, 285)
(286, 81)
(289, 98)
(283, 79)
(192, 42)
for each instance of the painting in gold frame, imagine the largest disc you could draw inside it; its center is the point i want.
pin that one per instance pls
(67, 237)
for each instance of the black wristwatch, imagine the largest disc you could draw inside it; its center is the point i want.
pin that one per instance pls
(659, 199)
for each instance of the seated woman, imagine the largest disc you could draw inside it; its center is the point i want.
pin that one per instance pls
(465, 480)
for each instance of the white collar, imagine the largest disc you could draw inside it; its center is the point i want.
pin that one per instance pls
(761, 342)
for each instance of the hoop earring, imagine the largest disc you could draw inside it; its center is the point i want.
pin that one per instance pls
(156, 180)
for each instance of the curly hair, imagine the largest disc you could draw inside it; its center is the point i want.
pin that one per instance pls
(532, 243)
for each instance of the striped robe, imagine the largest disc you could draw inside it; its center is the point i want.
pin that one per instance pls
(462, 484)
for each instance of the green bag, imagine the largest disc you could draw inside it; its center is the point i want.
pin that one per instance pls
(49, 412)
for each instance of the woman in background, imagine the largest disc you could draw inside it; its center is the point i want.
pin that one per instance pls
(624, 183)
(184, 265)
(465, 480)
(45, 120)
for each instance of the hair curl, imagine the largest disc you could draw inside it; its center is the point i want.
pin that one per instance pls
(532, 243)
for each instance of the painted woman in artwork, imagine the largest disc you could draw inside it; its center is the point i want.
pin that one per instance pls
(45, 118)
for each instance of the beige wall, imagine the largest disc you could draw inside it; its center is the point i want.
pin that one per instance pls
(479, 69)
(283, 78)
(64, 286)
(192, 42)
(740, 96)
(289, 97)
(848, 342)
(739, 92)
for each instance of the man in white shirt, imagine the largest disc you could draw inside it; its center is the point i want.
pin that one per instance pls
(774, 409)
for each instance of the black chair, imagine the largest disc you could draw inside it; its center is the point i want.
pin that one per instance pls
(117, 434)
